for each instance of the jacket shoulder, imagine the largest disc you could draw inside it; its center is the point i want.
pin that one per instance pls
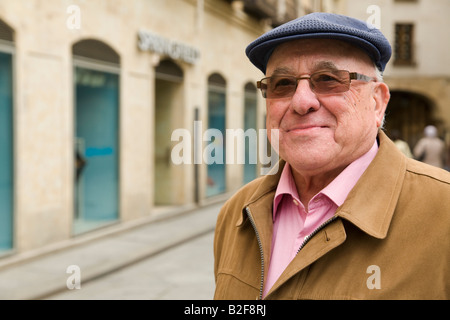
(427, 188)
(424, 170)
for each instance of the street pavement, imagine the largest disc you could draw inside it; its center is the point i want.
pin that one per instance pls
(170, 258)
(184, 272)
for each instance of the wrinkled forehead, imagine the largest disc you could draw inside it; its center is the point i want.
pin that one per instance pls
(319, 54)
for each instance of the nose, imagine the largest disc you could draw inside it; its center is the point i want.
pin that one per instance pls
(304, 99)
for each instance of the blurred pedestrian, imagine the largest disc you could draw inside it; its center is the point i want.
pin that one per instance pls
(402, 145)
(431, 149)
(447, 165)
(347, 215)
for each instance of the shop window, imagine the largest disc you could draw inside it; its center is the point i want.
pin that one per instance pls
(96, 151)
(216, 178)
(6, 137)
(250, 123)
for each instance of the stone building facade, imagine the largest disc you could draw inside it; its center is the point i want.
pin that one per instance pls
(91, 94)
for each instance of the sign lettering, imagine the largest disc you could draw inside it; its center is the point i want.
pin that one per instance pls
(175, 50)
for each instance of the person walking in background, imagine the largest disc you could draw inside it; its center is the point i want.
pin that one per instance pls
(447, 164)
(402, 145)
(430, 149)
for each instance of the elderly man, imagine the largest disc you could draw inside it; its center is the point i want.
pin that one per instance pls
(347, 215)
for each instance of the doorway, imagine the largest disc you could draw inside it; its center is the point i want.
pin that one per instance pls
(409, 113)
(169, 103)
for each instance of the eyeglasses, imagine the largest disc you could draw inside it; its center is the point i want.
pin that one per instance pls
(323, 82)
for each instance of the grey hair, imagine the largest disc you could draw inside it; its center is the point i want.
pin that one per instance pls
(378, 74)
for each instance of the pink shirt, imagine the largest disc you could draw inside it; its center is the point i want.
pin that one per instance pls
(291, 221)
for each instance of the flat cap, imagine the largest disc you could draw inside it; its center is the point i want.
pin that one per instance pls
(324, 26)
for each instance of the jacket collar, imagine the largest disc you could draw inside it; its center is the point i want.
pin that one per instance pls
(264, 193)
(370, 204)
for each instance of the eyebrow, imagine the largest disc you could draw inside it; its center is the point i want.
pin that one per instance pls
(324, 65)
(318, 66)
(282, 70)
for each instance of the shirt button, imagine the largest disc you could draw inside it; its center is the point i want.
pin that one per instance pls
(295, 202)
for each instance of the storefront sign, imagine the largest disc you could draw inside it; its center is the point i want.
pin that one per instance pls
(178, 51)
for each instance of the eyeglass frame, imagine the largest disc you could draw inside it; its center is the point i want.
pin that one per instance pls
(352, 76)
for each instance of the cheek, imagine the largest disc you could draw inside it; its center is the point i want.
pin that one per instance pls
(351, 116)
(354, 110)
(274, 114)
(356, 121)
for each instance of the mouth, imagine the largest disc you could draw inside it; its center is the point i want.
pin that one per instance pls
(306, 128)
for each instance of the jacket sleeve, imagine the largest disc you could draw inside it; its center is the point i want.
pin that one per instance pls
(218, 239)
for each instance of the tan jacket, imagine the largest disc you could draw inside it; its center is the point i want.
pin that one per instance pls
(389, 240)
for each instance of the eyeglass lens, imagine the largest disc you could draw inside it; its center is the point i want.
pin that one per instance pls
(327, 82)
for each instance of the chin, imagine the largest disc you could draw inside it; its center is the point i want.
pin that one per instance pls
(306, 161)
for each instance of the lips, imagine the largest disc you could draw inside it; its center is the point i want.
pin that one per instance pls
(306, 127)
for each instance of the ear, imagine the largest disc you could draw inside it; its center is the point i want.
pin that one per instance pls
(381, 96)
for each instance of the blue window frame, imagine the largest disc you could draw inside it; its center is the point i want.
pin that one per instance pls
(6, 152)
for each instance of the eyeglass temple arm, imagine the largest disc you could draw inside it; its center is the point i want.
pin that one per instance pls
(359, 76)
(259, 86)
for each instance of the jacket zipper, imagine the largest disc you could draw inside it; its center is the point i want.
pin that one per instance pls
(312, 234)
(305, 241)
(250, 217)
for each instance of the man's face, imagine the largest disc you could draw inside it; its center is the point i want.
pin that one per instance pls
(321, 133)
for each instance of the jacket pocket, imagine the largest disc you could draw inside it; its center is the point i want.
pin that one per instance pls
(230, 287)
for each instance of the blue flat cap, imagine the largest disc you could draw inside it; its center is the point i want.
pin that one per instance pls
(325, 26)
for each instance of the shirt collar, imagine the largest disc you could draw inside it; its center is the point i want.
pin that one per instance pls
(341, 186)
(337, 190)
(286, 186)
